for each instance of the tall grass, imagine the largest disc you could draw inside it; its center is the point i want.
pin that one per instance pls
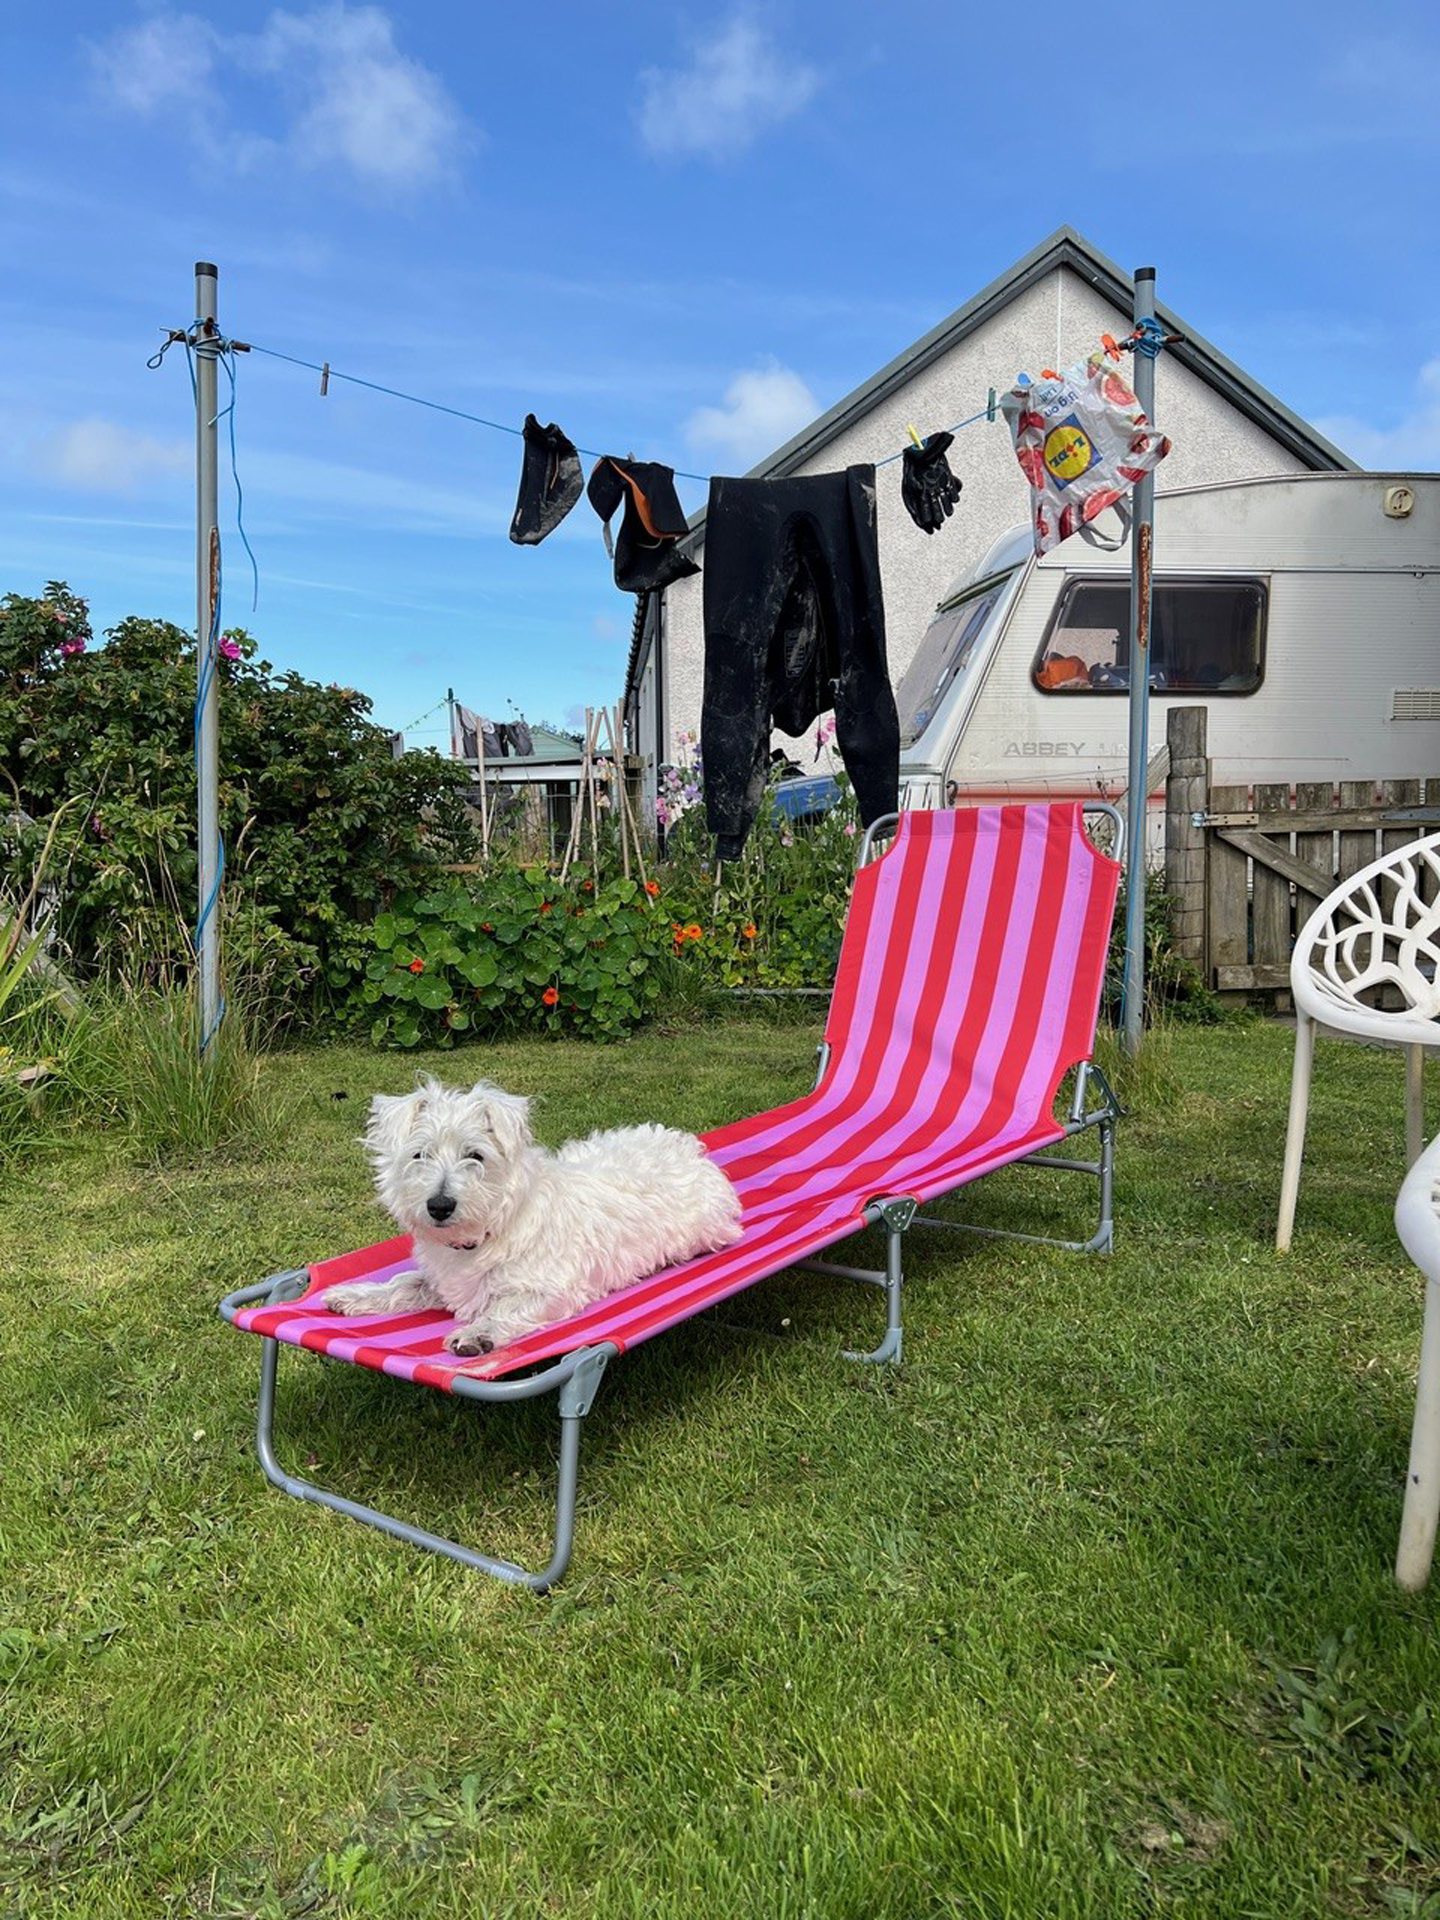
(134, 1064)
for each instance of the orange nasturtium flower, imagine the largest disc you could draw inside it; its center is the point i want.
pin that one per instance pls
(551, 996)
(694, 931)
(748, 930)
(652, 887)
(545, 906)
(417, 966)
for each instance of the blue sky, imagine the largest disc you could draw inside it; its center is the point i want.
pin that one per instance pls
(676, 231)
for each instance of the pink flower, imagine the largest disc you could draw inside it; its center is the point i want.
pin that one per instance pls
(229, 648)
(69, 647)
(849, 829)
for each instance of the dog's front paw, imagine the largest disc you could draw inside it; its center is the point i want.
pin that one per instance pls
(349, 1300)
(467, 1341)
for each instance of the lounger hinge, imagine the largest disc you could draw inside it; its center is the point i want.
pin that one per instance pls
(897, 1214)
(1111, 1109)
(577, 1396)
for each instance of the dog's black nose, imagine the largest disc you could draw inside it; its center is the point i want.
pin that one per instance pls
(439, 1207)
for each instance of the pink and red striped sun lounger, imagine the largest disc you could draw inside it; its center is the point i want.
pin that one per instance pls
(968, 987)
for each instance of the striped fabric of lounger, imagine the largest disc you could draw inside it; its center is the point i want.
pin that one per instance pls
(969, 983)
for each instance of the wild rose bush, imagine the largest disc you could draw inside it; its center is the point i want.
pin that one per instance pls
(320, 822)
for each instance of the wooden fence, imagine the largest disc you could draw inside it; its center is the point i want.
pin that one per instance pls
(1244, 867)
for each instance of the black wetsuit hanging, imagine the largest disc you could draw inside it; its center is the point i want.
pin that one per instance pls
(645, 550)
(794, 625)
(550, 483)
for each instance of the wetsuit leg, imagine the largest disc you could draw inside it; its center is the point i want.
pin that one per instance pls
(867, 725)
(794, 624)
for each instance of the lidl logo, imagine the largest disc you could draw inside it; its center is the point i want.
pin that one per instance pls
(1069, 451)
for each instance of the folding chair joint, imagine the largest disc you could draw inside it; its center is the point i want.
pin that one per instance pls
(577, 1395)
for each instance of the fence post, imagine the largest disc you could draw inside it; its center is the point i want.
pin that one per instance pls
(1186, 794)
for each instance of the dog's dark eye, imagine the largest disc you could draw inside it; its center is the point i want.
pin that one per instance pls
(417, 1155)
(474, 1154)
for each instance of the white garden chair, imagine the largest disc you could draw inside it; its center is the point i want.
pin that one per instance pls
(1376, 930)
(1417, 1219)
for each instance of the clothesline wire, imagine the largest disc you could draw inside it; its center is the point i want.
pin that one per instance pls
(987, 412)
(442, 701)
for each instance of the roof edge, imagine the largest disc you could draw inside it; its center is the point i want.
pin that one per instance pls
(1065, 247)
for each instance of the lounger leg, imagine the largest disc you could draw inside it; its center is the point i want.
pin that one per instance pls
(1422, 1481)
(576, 1396)
(1414, 1104)
(896, 1216)
(1103, 1240)
(1295, 1129)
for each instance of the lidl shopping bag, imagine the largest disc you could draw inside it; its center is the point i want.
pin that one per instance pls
(1082, 443)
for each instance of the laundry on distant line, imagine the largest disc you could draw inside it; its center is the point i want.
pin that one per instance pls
(794, 625)
(470, 731)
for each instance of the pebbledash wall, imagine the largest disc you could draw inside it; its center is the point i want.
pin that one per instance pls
(1223, 427)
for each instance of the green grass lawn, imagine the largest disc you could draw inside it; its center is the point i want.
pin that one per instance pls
(1085, 1610)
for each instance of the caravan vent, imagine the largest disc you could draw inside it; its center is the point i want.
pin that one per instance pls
(1416, 703)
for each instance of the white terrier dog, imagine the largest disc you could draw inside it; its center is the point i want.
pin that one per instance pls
(510, 1236)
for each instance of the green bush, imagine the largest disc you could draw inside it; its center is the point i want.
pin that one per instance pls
(774, 917)
(517, 948)
(320, 822)
(1174, 987)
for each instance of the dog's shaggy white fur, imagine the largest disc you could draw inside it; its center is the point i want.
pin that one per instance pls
(510, 1236)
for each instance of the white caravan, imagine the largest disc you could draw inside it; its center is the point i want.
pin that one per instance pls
(1303, 611)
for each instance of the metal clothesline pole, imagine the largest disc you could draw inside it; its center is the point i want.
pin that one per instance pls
(1132, 999)
(207, 348)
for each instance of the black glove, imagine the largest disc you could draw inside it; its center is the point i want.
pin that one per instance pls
(927, 486)
(550, 483)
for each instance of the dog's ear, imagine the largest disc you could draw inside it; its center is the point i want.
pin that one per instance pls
(508, 1115)
(392, 1117)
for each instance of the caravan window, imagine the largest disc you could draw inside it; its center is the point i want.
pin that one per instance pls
(946, 650)
(1206, 636)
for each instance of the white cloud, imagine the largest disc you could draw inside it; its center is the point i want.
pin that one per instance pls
(763, 408)
(348, 98)
(103, 457)
(360, 102)
(160, 61)
(1413, 444)
(736, 86)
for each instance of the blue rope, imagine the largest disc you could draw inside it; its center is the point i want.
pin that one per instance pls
(985, 413)
(456, 413)
(499, 426)
(227, 360)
